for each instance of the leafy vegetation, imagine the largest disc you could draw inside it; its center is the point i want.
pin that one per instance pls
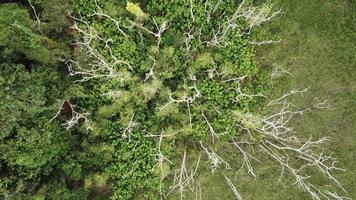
(156, 82)
(140, 100)
(32, 148)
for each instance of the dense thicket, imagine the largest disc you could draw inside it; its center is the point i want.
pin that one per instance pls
(37, 155)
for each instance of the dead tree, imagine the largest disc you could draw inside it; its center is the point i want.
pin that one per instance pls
(254, 16)
(37, 15)
(214, 158)
(160, 158)
(280, 142)
(159, 32)
(233, 188)
(73, 117)
(183, 178)
(100, 66)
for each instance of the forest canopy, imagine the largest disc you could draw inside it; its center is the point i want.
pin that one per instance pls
(131, 99)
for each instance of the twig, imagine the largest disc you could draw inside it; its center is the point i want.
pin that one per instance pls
(233, 188)
(37, 16)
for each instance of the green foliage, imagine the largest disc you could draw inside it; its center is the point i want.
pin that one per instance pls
(35, 151)
(18, 38)
(136, 10)
(32, 144)
(183, 89)
(153, 95)
(132, 168)
(55, 14)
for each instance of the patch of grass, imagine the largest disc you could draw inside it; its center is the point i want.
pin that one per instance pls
(318, 47)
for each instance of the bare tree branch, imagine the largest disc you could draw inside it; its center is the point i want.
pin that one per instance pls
(37, 15)
(183, 178)
(160, 29)
(233, 188)
(214, 158)
(280, 143)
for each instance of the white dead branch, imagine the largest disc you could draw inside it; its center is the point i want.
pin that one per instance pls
(281, 99)
(278, 71)
(183, 179)
(100, 66)
(253, 15)
(210, 9)
(113, 94)
(188, 37)
(233, 188)
(211, 129)
(322, 104)
(75, 117)
(276, 125)
(278, 139)
(100, 13)
(280, 143)
(58, 112)
(151, 74)
(160, 29)
(335, 196)
(127, 131)
(37, 15)
(214, 158)
(280, 154)
(264, 42)
(213, 72)
(198, 192)
(160, 159)
(246, 160)
(257, 15)
(191, 10)
(239, 91)
(186, 100)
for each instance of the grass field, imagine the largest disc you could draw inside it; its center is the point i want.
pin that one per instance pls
(319, 48)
